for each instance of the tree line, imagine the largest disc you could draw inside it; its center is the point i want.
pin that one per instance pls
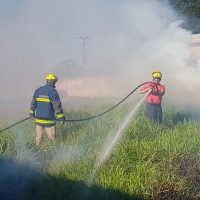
(190, 9)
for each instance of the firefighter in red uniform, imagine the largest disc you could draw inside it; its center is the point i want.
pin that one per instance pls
(154, 98)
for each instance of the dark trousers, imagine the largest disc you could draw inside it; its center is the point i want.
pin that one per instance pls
(154, 112)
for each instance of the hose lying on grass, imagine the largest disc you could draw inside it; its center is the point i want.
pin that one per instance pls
(86, 118)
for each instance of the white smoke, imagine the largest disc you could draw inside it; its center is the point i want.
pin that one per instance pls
(127, 41)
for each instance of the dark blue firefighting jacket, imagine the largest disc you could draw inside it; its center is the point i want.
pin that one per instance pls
(46, 106)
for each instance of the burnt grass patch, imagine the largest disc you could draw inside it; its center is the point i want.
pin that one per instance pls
(186, 168)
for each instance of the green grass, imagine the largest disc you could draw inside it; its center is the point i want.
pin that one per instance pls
(152, 161)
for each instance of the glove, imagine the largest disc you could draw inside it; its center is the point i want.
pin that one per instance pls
(32, 116)
(154, 89)
(61, 123)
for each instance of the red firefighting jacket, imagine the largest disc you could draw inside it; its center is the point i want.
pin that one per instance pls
(154, 96)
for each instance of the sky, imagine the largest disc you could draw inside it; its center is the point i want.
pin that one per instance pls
(127, 41)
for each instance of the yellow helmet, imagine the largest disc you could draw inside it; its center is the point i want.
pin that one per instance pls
(51, 77)
(157, 74)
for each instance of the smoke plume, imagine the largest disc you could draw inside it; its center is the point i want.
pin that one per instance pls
(127, 41)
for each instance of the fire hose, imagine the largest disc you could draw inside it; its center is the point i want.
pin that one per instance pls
(86, 118)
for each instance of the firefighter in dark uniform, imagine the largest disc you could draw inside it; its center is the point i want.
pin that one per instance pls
(46, 108)
(154, 98)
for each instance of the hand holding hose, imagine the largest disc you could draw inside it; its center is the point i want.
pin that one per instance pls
(61, 123)
(154, 89)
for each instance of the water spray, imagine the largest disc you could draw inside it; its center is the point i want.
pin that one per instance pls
(86, 118)
(112, 141)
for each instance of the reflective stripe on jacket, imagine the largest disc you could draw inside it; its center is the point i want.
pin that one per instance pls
(46, 105)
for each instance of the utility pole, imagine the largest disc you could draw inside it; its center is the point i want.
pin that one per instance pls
(84, 42)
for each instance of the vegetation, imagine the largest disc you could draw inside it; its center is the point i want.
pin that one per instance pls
(191, 10)
(153, 161)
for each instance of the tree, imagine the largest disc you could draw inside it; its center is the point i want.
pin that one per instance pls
(191, 10)
(67, 68)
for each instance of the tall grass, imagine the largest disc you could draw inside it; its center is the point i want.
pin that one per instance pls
(153, 161)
